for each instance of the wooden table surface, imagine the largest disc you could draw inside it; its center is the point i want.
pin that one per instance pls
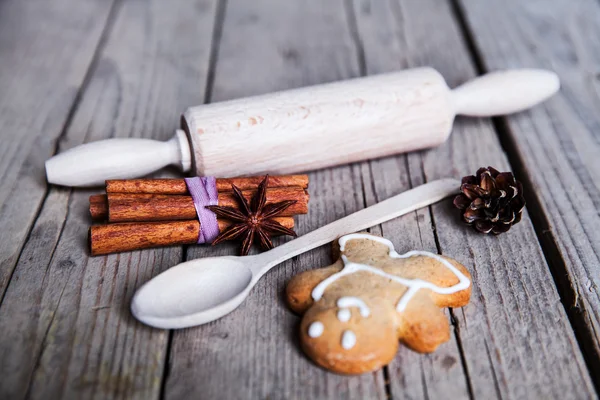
(78, 71)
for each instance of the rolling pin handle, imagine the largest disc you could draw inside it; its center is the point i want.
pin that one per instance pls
(504, 92)
(93, 163)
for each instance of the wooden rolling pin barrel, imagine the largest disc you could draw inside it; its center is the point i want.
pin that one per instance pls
(308, 128)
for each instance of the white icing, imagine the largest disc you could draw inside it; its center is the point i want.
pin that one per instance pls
(315, 329)
(344, 315)
(351, 301)
(414, 285)
(348, 340)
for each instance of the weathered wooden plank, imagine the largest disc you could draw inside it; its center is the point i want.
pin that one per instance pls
(557, 145)
(389, 32)
(253, 352)
(45, 48)
(515, 337)
(413, 375)
(65, 323)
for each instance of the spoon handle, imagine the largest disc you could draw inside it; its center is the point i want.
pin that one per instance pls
(393, 207)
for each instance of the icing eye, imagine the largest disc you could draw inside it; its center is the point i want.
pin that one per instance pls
(351, 301)
(348, 340)
(315, 329)
(344, 315)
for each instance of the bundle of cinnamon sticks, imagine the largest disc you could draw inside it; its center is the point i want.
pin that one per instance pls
(143, 213)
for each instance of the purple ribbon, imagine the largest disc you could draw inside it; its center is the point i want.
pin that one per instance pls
(204, 193)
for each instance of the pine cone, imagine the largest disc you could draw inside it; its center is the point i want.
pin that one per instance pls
(491, 201)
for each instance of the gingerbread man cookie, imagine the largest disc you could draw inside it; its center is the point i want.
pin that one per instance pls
(358, 309)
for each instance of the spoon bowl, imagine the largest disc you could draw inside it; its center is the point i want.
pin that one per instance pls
(194, 293)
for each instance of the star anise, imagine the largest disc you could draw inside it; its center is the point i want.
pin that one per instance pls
(254, 221)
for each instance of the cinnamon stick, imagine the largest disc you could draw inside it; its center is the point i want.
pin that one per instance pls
(98, 207)
(99, 202)
(115, 238)
(178, 186)
(122, 207)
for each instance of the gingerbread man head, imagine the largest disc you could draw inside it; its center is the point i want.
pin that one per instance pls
(358, 309)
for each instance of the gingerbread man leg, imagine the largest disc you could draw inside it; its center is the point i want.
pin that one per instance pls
(423, 326)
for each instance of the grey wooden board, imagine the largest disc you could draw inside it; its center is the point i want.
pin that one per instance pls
(556, 144)
(65, 324)
(38, 85)
(508, 353)
(252, 353)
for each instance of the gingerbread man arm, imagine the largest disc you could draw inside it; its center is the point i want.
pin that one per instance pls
(442, 278)
(458, 299)
(299, 288)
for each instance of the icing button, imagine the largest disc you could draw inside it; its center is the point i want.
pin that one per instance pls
(315, 329)
(348, 340)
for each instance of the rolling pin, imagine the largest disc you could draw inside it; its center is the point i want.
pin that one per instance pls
(308, 128)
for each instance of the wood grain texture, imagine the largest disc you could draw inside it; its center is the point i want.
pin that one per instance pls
(254, 352)
(556, 145)
(65, 323)
(514, 336)
(39, 81)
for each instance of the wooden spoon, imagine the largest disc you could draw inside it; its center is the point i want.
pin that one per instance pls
(203, 290)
